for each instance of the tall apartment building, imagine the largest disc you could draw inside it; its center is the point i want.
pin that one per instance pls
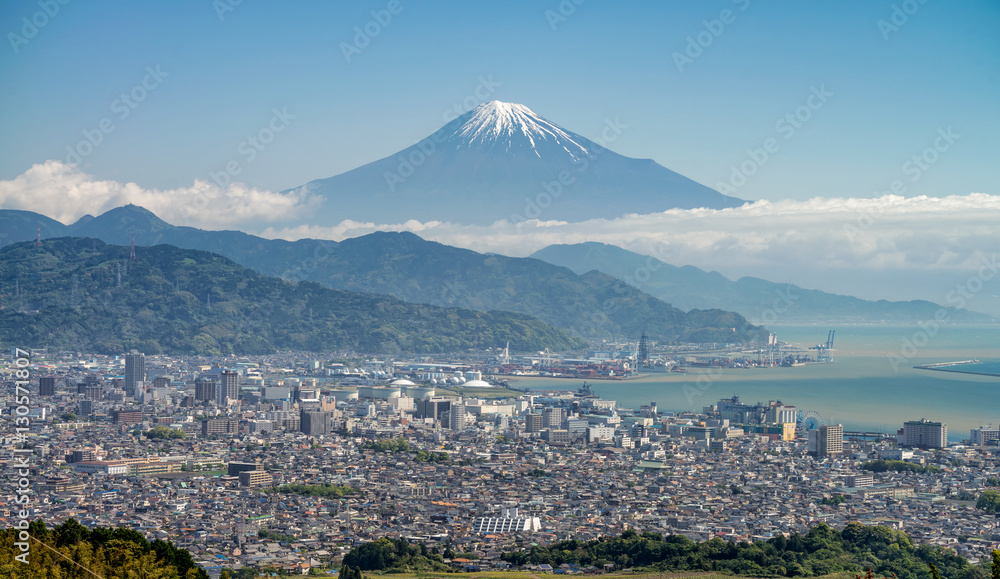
(533, 422)
(827, 440)
(228, 388)
(204, 390)
(135, 372)
(923, 434)
(456, 417)
(47, 386)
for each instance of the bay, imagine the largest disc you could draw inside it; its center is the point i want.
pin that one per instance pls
(872, 384)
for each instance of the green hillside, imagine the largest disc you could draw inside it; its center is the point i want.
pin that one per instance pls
(587, 305)
(82, 294)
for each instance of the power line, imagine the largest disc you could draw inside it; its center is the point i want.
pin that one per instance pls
(39, 541)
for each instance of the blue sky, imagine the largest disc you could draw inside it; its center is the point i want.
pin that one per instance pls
(892, 89)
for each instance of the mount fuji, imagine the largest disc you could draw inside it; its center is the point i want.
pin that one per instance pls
(502, 161)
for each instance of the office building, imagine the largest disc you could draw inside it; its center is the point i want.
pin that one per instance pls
(127, 416)
(85, 455)
(601, 433)
(923, 434)
(984, 435)
(255, 478)
(433, 408)
(556, 436)
(219, 426)
(314, 423)
(533, 422)
(59, 484)
(552, 417)
(228, 388)
(47, 386)
(774, 412)
(276, 393)
(135, 372)
(718, 446)
(860, 480)
(86, 407)
(778, 413)
(235, 468)
(827, 440)
(204, 390)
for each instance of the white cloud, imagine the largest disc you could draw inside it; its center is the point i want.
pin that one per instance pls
(925, 233)
(888, 247)
(66, 193)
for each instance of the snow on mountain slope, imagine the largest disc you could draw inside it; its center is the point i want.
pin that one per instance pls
(502, 123)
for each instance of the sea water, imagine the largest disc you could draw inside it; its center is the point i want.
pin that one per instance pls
(872, 384)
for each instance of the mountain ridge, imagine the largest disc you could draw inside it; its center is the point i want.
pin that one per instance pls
(691, 287)
(415, 270)
(83, 294)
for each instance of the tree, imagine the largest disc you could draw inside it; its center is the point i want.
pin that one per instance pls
(996, 565)
(935, 574)
(989, 501)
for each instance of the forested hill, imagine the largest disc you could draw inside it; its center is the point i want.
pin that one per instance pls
(72, 551)
(821, 551)
(78, 293)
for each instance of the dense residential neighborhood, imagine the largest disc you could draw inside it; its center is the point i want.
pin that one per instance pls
(288, 463)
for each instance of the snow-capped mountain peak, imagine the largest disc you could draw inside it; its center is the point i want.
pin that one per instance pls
(495, 122)
(504, 161)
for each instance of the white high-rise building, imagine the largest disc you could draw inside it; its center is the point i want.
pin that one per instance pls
(457, 417)
(984, 435)
(923, 434)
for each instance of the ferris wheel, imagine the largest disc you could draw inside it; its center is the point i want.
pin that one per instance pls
(809, 420)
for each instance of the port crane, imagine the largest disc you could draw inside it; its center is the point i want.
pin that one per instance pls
(823, 350)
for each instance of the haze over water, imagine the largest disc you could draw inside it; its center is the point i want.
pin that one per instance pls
(861, 390)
